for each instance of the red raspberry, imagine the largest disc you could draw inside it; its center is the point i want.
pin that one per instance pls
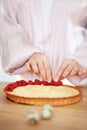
(22, 83)
(30, 82)
(19, 83)
(52, 82)
(38, 82)
(59, 83)
(56, 83)
(11, 86)
(44, 82)
(8, 88)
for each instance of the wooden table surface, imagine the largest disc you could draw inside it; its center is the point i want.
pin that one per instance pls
(13, 116)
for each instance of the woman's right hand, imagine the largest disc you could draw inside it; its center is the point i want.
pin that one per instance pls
(39, 64)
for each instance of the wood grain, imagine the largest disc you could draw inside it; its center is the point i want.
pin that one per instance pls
(13, 116)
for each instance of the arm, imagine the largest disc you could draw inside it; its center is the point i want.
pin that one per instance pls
(80, 56)
(14, 43)
(70, 68)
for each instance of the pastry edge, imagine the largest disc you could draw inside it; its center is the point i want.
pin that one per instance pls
(41, 101)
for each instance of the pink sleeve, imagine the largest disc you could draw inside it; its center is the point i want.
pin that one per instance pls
(14, 44)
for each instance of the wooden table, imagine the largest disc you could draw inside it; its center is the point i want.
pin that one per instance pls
(13, 116)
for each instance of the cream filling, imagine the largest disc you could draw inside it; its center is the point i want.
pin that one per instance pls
(44, 91)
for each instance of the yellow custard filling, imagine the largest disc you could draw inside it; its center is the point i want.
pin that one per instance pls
(42, 91)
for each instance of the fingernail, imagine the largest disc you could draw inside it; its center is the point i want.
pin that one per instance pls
(55, 79)
(49, 80)
(80, 73)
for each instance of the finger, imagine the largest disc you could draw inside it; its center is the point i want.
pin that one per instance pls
(61, 70)
(74, 71)
(82, 70)
(67, 71)
(42, 70)
(28, 67)
(48, 71)
(34, 67)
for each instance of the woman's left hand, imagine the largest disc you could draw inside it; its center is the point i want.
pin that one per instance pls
(68, 68)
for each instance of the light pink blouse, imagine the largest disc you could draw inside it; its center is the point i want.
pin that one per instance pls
(55, 27)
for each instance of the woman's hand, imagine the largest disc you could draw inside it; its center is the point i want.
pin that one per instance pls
(83, 70)
(39, 64)
(68, 68)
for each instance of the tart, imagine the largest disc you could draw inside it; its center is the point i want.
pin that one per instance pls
(42, 92)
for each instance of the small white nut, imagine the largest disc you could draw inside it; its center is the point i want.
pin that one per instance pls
(46, 114)
(33, 116)
(48, 107)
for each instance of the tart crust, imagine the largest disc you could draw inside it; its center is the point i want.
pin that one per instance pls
(54, 101)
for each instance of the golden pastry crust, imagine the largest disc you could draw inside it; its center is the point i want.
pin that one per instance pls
(57, 101)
